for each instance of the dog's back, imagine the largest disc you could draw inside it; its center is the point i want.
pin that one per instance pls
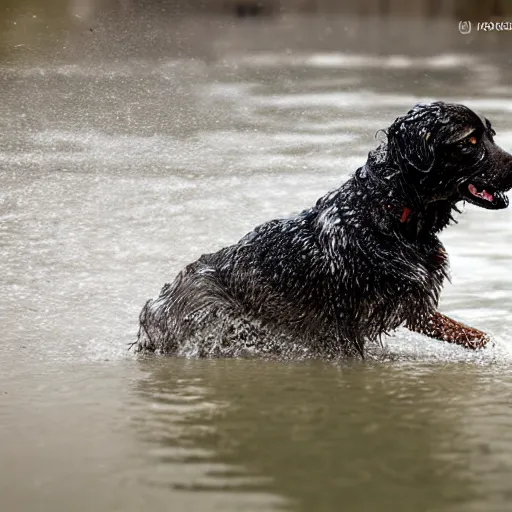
(262, 295)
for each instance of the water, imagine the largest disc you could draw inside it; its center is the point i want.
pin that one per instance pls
(128, 151)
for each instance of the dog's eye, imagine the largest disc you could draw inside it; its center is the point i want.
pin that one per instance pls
(472, 140)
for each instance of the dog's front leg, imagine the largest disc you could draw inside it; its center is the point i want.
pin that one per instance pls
(441, 327)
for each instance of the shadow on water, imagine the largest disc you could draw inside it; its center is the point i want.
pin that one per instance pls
(323, 437)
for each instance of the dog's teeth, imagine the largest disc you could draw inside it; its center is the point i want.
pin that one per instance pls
(484, 194)
(487, 195)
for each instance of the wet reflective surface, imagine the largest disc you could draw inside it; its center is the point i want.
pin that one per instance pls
(118, 168)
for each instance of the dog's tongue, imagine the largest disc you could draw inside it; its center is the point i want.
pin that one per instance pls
(483, 194)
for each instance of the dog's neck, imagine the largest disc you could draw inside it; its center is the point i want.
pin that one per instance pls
(387, 199)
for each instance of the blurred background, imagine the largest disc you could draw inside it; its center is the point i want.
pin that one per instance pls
(379, 26)
(136, 136)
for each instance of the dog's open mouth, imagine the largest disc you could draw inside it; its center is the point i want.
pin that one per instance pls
(485, 196)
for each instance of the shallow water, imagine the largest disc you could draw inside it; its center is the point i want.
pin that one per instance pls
(124, 155)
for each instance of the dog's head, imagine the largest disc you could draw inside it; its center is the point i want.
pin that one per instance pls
(446, 151)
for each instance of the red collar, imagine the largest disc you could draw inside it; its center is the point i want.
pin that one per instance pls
(406, 214)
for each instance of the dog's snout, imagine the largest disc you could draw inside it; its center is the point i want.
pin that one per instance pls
(502, 163)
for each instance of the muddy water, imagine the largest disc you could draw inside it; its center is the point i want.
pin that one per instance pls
(130, 149)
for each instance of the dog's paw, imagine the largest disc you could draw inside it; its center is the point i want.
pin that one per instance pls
(444, 328)
(477, 342)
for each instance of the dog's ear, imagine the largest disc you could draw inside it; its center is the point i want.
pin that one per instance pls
(413, 139)
(490, 130)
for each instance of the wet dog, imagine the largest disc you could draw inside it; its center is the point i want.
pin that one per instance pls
(363, 261)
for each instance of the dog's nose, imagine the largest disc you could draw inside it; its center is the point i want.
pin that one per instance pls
(502, 161)
(505, 156)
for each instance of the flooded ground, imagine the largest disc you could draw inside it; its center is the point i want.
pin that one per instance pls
(126, 151)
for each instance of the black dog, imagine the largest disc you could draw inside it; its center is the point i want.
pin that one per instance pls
(363, 261)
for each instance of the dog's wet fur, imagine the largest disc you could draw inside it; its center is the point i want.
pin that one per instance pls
(360, 263)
